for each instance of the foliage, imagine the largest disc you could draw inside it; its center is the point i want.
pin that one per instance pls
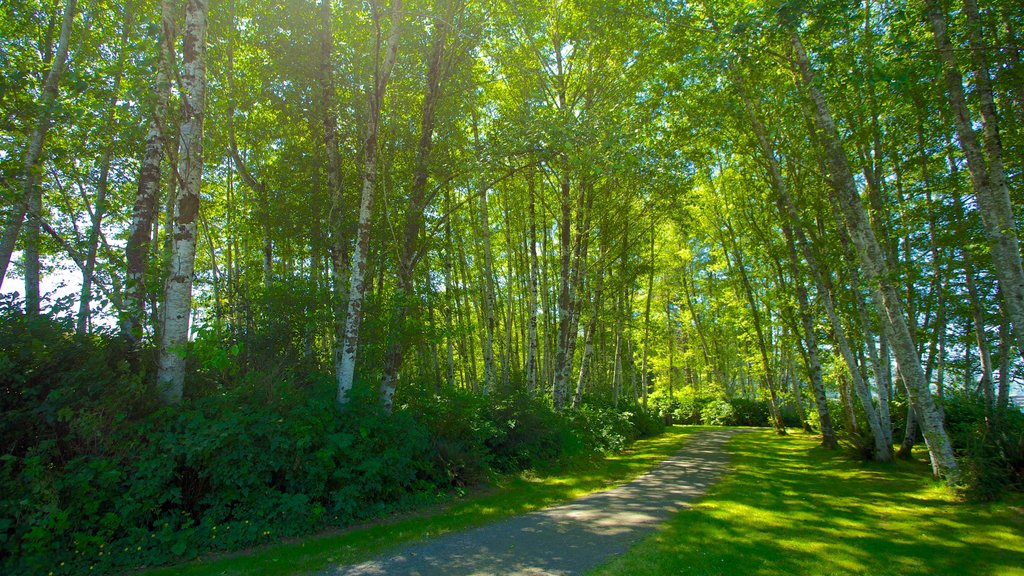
(989, 445)
(511, 495)
(718, 413)
(96, 477)
(717, 410)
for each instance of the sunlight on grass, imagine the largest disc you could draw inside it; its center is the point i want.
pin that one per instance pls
(513, 495)
(792, 508)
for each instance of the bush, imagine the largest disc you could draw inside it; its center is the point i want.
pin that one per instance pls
(603, 429)
(718, 413)
(748, 412)
(96, 477)
(990, 452)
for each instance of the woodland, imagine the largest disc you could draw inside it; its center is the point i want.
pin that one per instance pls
(274, 267)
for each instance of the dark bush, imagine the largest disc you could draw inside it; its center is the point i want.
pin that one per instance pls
(748, 412)
(989, 446)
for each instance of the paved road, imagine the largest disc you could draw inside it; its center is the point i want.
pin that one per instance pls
(569, 538)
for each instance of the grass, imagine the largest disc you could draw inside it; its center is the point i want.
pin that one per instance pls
(791, 508)
(512, 495)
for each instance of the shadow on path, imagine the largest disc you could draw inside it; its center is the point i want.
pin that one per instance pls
(569, 538)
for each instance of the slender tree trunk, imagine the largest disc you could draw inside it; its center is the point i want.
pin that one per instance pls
(647, 322)
(418, 199)
(338, 246)
(881, 428)
(531, 354)
(357, 276)
(789, 219)
(562, 359)
(770, 375)
(1003, 394)
(178, 290)
(144, 210)
(873, 263)
(977, 316)
(988, 177)
(846, 398)
(31, 196)
(100, 206)
(488, 304)
(588, 346)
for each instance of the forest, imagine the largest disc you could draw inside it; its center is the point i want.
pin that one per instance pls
(273, 267)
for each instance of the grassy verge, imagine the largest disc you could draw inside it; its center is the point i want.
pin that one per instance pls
(512, 495)
(792, 508)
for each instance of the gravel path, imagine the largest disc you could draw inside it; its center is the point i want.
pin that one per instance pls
(569, 538)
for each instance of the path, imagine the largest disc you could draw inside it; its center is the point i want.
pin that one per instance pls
(569, 538)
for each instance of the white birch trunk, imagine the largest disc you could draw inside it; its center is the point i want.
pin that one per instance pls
(346, 368)
(988, 177)
(147, 194)
(873, 263)
(178, 289)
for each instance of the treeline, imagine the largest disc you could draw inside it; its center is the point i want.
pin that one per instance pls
(634, 205)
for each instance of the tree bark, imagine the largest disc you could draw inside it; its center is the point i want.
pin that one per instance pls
(357, 276)
(418, 199)
(789, 220)
(988, 178)
(770, 375)
(588, 345)
(647, 322)
(178, 289)
(531, 354)
(100, 206)
(144, 210)
(873, 263)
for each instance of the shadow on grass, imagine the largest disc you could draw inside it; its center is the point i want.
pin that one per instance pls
(793, 508)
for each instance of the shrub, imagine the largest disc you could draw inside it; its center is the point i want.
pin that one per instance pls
(718, 413)
(989, 448)
(603, 429)
(747, 412)
(96, 477)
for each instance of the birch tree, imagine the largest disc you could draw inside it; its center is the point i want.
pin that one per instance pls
(345, 368)
(178, 289)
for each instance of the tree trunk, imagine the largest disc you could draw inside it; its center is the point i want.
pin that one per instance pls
(31, 199)
(988, 178)
(872, 262)
(488, 304)
(178, 290)
(100, 206)
(418, 199)
(531, 344)
(588, 346)
(338, 246)
(357, 276)
(770, 375)
(647, 322)
(789, 220)
(144, 210)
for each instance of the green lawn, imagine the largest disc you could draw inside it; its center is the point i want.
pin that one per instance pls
(792, 508)
(513, 495)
